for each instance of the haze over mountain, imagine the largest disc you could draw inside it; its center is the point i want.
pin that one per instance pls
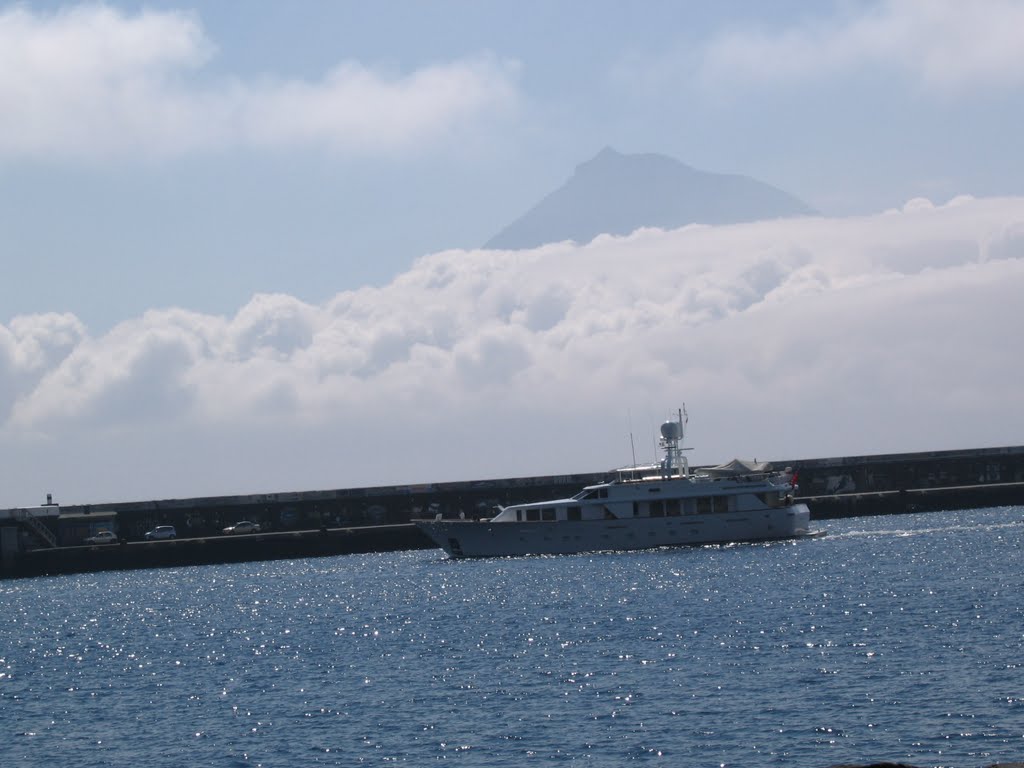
(615, 193)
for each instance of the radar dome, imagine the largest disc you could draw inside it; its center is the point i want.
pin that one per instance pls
(671, 430)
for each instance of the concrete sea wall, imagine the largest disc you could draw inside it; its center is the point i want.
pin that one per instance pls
(49, 539)
(221, 549)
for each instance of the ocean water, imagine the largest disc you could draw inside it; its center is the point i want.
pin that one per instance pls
(895, 638)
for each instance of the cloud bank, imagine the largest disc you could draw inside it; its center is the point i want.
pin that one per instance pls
(786, 339)
(91, 82)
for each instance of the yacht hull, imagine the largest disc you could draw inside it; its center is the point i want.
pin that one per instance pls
(466, 538)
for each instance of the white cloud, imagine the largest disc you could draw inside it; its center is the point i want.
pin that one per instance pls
(30, 347)
(946, 45)
(92, 82)
(356, 107)
(787, 339)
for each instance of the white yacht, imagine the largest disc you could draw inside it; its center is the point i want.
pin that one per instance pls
(642, 507)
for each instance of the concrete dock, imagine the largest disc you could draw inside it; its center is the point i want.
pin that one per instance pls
(48, 539)
(220, 549)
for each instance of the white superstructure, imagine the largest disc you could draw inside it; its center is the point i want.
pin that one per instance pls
(643, 507)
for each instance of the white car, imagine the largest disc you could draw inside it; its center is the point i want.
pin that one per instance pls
(161, 532)
(242, 527)
(102, 537)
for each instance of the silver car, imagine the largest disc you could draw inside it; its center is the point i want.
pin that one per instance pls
(242, 527)
(161, 532)
(102, 537)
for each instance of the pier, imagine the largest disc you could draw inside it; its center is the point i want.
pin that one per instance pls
(220, 549)
(49, 539)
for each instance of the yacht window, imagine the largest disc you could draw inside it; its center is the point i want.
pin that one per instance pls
(548, 513)
(519, 515)
(532, 515)
(636, 509)
(573, 513)
(714, 504)
(602, 493)
(657, 509)
(704, 505)
(672, 507)
(654, 490)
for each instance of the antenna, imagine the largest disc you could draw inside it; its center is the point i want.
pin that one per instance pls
(632, 445)
(672, 433)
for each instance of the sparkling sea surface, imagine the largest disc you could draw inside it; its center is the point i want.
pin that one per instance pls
(892, 638)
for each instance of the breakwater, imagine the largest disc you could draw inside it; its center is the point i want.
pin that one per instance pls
(912, 500)
(48, 539)
(220, 549)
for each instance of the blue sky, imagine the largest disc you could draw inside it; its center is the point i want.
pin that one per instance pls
(124, 216)
(190, 196)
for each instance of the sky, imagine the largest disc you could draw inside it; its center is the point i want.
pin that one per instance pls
(242, 255)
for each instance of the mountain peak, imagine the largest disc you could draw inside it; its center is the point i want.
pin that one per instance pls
(606, 156)
(615, 193)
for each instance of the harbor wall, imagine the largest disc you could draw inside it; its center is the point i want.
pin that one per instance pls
(316, 523)
(127, 555)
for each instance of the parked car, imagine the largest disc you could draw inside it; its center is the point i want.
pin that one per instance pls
(161, 532)
(102, 537)
(243, 526)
